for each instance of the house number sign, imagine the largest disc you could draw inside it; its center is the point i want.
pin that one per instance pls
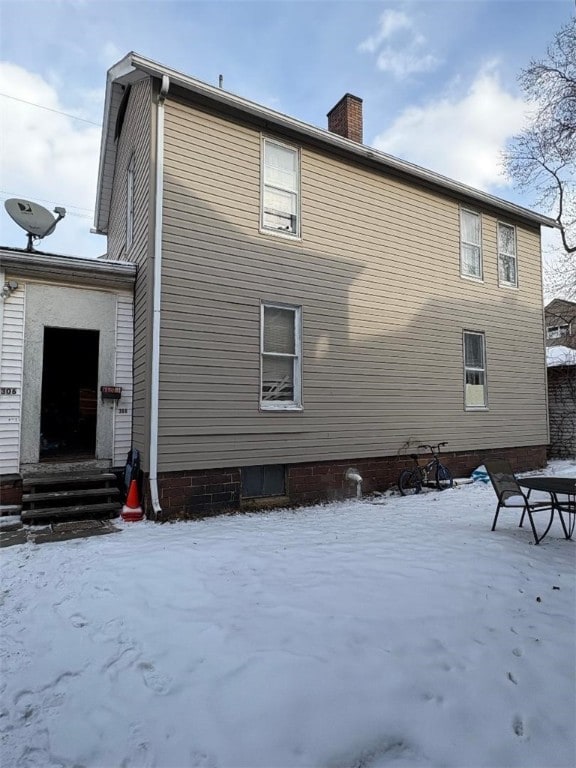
(8, 391)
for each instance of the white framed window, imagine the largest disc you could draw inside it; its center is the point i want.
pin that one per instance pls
(470, 244)
(280, 357)
(130, 203)
(475, 392)
(280, 188)
(557, 331)
(507, 271)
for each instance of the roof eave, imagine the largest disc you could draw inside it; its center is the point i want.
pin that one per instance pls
(154, 69)
(69, 269)
(114, 79)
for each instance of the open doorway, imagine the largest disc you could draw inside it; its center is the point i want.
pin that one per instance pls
(69, 394)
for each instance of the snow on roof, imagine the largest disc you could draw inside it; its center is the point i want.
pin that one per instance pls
(560, 355)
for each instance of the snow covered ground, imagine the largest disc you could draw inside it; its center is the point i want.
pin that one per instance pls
(398, 633)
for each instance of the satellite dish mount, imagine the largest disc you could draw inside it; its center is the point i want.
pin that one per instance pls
(37, 221)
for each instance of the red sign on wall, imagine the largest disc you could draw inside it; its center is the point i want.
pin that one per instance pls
(111, 393)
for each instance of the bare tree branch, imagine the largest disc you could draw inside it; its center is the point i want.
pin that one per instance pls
(543, 156)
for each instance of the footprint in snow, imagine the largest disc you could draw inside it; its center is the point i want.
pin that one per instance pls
(77, 620)
(154, 680)
(202, 760)
(141, 757)
(32, 757)
(435, 697)
(121, 661)
(387, 749)
(518, 726)
(111, 630)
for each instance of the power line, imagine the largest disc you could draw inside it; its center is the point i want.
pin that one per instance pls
(5, 193)
(49, 109)
(69, 213)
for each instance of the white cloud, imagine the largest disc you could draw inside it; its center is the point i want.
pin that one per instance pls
(404, 63)
(462, 138)
(404, 53)
(49, 158)
(390, 22)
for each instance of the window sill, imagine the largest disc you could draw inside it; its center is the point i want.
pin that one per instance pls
(472, 278)
(280, 234)
(281, 408)
(513, 286)
(476, 408)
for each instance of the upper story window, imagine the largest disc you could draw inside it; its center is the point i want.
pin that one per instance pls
(281, 357)
(475, 394)
(130, 203)
(507, 272)
(558, 331)
(470, 244)
(280, 188)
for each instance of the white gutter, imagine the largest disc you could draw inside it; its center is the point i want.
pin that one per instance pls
(156, 298)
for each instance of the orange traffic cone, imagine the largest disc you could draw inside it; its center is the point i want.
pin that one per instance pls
(132, 511)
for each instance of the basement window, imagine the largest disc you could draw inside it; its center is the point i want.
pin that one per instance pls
(264, 481)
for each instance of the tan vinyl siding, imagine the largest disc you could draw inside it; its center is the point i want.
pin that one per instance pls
(377, 273)
(135, 141)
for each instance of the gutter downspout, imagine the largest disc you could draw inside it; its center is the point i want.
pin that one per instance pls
(156, 299)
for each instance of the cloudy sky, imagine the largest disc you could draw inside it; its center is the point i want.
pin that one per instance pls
(438, 80)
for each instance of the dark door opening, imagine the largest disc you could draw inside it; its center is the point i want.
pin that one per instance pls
(69, 394)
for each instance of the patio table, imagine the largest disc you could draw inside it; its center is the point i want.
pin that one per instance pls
(556, 486)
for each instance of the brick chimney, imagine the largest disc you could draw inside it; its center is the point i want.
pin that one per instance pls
(345, 118)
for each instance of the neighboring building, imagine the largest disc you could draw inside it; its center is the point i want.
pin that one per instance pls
(560, 320)
(66, 331)
(305, 303)
(562, 401)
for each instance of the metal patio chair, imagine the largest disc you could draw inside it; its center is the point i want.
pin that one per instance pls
(511, 496)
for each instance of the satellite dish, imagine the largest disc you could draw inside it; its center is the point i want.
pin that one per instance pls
(36, 220)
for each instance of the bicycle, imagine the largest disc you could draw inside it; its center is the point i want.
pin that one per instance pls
(431, 474)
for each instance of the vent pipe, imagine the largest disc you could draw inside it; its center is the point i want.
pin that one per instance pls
(353, 476)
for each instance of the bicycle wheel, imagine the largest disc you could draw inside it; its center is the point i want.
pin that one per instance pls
(409, 482)
(443, 478)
